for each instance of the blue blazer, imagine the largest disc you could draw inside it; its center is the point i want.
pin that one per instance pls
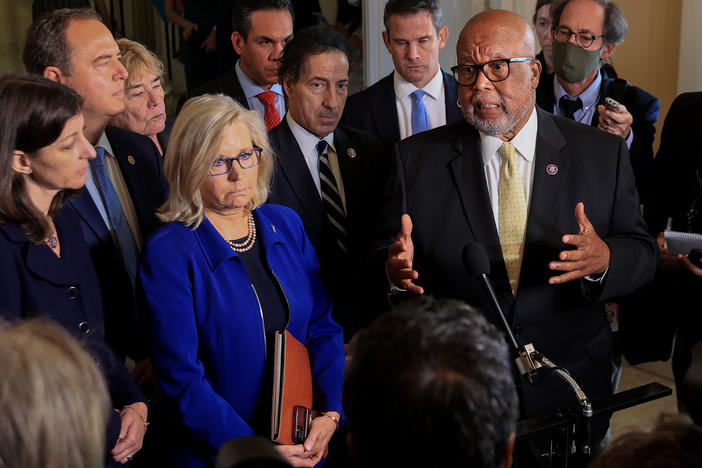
(35, 282)
(206, 329)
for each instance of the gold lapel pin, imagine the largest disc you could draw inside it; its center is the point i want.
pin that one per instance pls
(351, 152)
(131, 159)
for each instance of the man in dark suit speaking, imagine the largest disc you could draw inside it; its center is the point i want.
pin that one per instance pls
(552, 201)
(418, 95)
(332, 176)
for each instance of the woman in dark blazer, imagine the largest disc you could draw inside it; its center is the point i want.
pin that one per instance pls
(47, 270)
(221, 277)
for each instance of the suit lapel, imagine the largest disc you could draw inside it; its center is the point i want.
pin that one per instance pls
(294, 168)
(350, 171)
(384, 108)
(237, 91)
(88, 212)
(453, 112)
(546, 186)
(545, 95)
(469, 179)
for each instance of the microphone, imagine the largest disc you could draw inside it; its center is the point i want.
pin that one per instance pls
(476, 263)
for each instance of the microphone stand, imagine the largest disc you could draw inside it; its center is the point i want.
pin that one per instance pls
(528, 360)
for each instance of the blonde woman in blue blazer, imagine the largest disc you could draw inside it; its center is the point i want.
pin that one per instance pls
(221, 277)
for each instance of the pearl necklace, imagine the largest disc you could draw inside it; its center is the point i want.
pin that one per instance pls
(241, 247)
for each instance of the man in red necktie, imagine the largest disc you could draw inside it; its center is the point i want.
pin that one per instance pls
(261, 30)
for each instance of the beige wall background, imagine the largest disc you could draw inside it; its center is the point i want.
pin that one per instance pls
(662, 52)
(649, 56)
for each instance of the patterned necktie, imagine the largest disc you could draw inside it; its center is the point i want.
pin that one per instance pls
(420, 121)
(125, 239)
(333, 205)
(569, 106)
(270, 115)
(512, 214)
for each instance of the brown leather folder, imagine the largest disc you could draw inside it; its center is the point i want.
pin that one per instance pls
(292, 386)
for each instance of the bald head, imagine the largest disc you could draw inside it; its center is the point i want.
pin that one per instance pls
(500, 107)
(497, 30)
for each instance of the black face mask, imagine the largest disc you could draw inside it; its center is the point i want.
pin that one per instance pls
(573, 63)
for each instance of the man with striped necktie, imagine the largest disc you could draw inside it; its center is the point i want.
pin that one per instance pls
(332, 176)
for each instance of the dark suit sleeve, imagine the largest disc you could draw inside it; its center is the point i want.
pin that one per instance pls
(633, 252)
(675, 168)
(10, 305)
(645, 109)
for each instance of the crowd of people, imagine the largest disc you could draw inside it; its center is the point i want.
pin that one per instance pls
(150, 259)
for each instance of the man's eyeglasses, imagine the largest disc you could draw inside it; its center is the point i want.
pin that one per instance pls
(495, 70)
(246, 159)
(584, 40)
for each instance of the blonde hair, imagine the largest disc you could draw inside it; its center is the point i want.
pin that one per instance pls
(53, 399)
(192, 148)
(137, 59)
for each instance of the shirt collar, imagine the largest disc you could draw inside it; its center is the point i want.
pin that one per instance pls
(589, 96)
(404, 88)
(524, 141)
(250, 88)
(306, 140)
(105, 143)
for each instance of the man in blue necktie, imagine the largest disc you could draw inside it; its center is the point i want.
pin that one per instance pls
(125, 185)
(418, 95)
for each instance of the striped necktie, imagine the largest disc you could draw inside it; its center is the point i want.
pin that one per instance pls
(331, 198)
(512, 214)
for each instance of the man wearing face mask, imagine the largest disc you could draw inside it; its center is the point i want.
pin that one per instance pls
(585, 34)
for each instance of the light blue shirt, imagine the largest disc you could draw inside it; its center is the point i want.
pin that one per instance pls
(251, 90)
(589, 97)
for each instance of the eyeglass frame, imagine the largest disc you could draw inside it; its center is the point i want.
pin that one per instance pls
(577, 35)
(455, 68)
(230, 160)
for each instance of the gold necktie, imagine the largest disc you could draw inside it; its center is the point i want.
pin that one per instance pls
(512, 214)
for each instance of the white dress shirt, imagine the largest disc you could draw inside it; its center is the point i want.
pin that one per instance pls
(308, 145)
(251, 90)
(434, 102)
(524, 143)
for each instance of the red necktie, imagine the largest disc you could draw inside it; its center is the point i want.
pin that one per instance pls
(271, 116)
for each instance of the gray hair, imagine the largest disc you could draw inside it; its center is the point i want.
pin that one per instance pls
(615, 23)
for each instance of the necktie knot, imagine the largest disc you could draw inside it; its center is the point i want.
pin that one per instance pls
(267, 97)
(321, 147)
(271, 116)
(570, 106)
(506, 152)
(418, 95)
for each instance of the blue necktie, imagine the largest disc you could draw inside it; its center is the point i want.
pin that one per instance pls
(420, 122)
(125, 239)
